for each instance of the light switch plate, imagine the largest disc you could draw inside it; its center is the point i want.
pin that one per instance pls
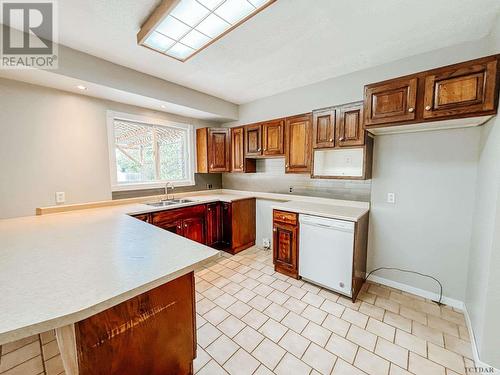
(391, 198)
(60, 197)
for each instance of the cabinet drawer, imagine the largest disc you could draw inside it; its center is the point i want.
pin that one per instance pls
(285, 217)
(163, 218)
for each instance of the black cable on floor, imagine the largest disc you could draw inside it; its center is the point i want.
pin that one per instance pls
(415, 272)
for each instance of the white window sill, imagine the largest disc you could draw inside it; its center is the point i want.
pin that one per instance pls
(150, 185)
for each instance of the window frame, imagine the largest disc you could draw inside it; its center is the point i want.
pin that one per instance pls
(190, 154)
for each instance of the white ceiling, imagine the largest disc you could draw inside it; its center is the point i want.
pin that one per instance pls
(290, 44)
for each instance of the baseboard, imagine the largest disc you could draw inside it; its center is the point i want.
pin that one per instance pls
(475, 351)
(419, 292)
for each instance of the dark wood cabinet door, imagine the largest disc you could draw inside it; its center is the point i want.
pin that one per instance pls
(272, 137)
(466, 88)
(298, 144)
(350, 129)
(285, 248)
(214, 223)
(227, 224)
(253, 140)
(194, 228)
(174, 226)
(237, 150)
(219, 153)
(390, 102)
(324, 128)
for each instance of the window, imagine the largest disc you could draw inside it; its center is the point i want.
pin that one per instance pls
(146, 153)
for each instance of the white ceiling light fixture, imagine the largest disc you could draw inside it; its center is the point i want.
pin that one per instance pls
(182, 28)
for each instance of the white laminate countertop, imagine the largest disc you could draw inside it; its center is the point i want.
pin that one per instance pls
(331, 211)
(59, 268)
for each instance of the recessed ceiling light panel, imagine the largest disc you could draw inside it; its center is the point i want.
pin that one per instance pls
(182, 28)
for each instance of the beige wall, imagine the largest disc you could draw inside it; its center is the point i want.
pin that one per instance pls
(55, 141)
(483, 282)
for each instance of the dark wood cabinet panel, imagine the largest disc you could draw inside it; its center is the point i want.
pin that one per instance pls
(238, 161)
(467, 88)
(298, 144)
(253, 140)
(153, 333)
(285, 245)
(214, 223)
(194, 228)
(394, 101)
(350, 130)
(324, 128)
(227, 225)
(243, 214)
(272, 137)
(219, 144)
(174, 226)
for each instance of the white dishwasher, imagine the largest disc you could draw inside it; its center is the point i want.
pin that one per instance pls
(326, 249)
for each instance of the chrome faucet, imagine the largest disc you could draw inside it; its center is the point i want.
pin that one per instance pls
(169, 185)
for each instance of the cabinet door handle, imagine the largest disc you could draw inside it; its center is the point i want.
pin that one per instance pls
(341, 139)
(411, 109)
(185, 225)
(286, 165)
(211, 165)
(179, 227)
(428, 108)
(331, 140)
(241, 165)
(275, 230)
(258, 149)
(209, 209)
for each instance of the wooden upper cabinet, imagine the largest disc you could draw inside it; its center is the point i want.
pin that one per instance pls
(298, 148)
(253, 140)
(462, 89)
(237, 150)
(324, 128)
(388, 102)
(350, 130)
(219, 144)
(272, 137)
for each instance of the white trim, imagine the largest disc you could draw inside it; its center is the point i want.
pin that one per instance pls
(417, 291)
(475, 351)
(190, 151)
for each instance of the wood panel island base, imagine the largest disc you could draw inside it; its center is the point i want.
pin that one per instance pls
(153, 333)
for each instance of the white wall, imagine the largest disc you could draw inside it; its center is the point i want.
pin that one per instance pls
(54, 141)
(429, 228)
(483, 283)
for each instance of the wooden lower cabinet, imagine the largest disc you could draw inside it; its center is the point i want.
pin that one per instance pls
(188, 222)
(153, 333)
(214, 223)
(238, 225)
(228, 226)
(286, 243)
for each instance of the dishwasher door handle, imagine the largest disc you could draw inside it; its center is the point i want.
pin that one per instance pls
(334, 227)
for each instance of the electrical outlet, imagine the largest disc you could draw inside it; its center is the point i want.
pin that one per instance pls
(60, 197)
(391, 198)
(266, 242)
(291, 189)
(209, 186)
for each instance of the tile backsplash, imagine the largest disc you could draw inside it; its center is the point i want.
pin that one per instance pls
(201, 182)
(270, 177)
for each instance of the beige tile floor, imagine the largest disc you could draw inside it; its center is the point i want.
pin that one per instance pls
(252, 320)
